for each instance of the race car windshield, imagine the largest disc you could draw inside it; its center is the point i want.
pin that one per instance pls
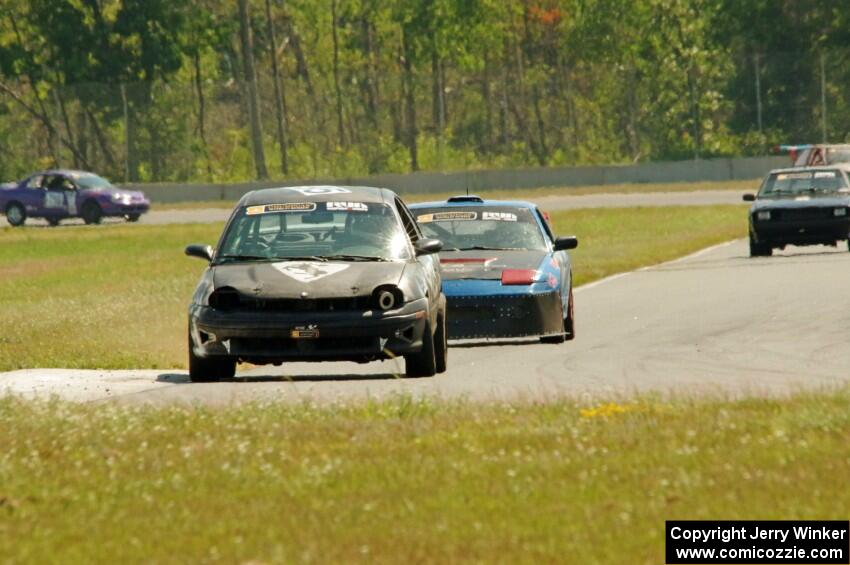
(89, 182)
(801, 183)
(479, 227)
(318, 231)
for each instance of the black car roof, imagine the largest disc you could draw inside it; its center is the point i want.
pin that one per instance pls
(324, 193)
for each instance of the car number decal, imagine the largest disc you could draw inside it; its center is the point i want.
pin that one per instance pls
(319, 190)
(347, 206)
(306, 272)
(53, 199)
(444, 216)
(287, 207)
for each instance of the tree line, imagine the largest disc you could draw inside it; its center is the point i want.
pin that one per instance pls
(228, 90)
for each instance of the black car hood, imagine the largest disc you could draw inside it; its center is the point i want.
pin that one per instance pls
(289, 279)
(487, 264)
(801, 202)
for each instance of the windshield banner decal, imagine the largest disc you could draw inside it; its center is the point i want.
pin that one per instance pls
(446, 216)
(287, 207)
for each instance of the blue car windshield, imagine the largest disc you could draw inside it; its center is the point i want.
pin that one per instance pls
(89, 182)
(481, 227)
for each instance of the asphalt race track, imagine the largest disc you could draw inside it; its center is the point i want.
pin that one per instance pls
(714, 322)
(550, 203)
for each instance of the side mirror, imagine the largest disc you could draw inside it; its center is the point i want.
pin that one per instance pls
(749, 197)
(428, 246)
(564, 243)
(200, 251)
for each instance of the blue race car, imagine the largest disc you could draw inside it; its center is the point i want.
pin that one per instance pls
(505, 274)
(60, 194)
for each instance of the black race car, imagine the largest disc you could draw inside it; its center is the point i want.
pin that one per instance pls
(800, 206)
(320, 273)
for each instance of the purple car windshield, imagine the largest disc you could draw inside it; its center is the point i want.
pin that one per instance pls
(89, 182)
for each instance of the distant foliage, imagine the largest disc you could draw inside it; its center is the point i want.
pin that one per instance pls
(156, 90)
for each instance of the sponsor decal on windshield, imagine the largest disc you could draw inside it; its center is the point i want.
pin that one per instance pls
(347, 207)
(319, 190)
(287, 207)
(794, 176)
(499, 216)
(446, 216)
(825, 175)
(307, 272)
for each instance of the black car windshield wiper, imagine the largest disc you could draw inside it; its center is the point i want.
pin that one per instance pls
(300, 258)
(236, 257)
(344, 257)
(488, 248)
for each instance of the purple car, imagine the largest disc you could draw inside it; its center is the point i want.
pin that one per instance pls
(59, 194)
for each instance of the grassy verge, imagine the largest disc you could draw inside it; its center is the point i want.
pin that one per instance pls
(116, 296)
(407, 481)
(529, 194)
(625, 239)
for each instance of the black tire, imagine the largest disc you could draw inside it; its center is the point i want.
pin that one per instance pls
(570, 320)
(209, 370)
(441, 344)
(568, 326)
(52, 222)
(848, 245)
(16, 214)
(760, 249)
(423, 363)
(91, 213)
(132, 217)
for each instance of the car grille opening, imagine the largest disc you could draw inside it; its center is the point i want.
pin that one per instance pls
(346, 304)
(810, 213)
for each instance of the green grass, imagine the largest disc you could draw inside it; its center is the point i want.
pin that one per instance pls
(623, 239)
(528, 194)
(116, 297)
(406, 480)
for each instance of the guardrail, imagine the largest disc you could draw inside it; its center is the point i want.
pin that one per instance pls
(744, 168)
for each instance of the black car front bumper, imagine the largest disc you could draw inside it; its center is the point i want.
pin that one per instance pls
(807, 226)
(273, 337)
(504, 315)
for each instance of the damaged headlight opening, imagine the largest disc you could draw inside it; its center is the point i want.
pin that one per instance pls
(387, 297)
(224, 298)
(763, 215)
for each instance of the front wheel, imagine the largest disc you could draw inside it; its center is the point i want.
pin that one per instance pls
(209, 370)
(760, 249)
(132, 217)
(16, 215)
(570, 320)
(423, 363)
(441, 344)
(91, 213)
